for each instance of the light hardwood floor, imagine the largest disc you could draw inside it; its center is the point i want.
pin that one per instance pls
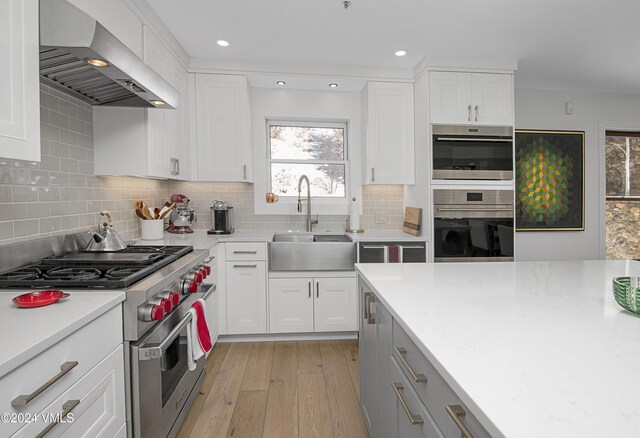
(279, 390)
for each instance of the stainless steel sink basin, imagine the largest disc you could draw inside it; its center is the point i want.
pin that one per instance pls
(309, 252)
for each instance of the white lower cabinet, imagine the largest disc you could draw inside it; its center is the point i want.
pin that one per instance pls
(312, 304)
(94, 406)
(246, 297)
(212, 302)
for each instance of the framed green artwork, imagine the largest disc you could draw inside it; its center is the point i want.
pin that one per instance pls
(549, 180)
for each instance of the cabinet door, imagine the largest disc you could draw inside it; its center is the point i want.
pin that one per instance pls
(335, 307)
(368, 359)
(166, 129)
(389, 133)
(246, 297)
(223, 128)
(492, 99)
(450, 97)
(290, 305)
(19, 80)
(387, 413)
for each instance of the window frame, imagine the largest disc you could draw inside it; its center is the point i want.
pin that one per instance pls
(310, 123)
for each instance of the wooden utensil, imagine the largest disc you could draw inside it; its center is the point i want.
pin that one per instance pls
(145, 210)
(139, 214)
(168, 210)
(412, 219)
(156, 213)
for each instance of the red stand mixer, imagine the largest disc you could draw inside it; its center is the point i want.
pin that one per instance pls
(182, 217)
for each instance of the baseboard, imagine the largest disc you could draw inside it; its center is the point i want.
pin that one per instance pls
(289, 337)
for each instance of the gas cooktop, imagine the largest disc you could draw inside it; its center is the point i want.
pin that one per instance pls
(84, 269)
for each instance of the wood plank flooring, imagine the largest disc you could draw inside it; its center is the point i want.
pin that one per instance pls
(303, 389)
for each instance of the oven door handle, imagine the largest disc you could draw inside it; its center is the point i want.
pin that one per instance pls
(473, 209)
(485, 140)
(155, 351)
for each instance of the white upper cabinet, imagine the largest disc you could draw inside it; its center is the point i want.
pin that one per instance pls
(155, 141)
(388, 124)
(471, 98)
(223, 128)
(19, 82)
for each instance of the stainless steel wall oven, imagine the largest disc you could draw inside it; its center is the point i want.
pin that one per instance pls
(472, 152)
(473, 225)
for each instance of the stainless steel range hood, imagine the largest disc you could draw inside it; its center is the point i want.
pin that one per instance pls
(70, 40)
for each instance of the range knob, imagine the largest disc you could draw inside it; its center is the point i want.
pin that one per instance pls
(165, 303)
(174, 297)
(203, 271)
(150, 312)
(189, 286)
(207, 269)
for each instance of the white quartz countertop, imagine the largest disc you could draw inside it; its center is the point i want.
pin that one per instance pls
(25, 333)
(199, 239)
(534, 349)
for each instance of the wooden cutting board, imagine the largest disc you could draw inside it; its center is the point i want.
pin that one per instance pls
(412, 219)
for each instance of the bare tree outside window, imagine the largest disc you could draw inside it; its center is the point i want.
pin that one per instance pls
(314, 149)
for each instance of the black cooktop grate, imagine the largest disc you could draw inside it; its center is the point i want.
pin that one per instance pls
(108, 270)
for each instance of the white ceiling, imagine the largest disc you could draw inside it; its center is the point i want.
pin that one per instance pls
(562, 44)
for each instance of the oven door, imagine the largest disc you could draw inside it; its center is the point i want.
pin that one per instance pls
(162, 385)
(486, 154)
(478, 239)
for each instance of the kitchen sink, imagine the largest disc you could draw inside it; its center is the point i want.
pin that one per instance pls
(311, 252)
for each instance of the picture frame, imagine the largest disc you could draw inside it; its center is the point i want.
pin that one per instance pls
(549, 179)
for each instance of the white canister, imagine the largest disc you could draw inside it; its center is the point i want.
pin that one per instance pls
(152, 229)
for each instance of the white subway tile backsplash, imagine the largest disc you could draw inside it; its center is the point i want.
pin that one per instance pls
(59, 149)
(26, 228)
(6, 230)
(5, 194)
(13, 211)
(24, 194)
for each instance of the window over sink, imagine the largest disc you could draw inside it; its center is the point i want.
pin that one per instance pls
(315, 149)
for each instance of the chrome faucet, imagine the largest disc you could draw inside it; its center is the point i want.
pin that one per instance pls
(309, 221)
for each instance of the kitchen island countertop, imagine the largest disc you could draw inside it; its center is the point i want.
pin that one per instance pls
(25, 333)
(534, 349)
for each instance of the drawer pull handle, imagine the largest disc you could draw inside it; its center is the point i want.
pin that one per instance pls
(368, 298)
(402, 355)
(245, 252)
(66, 410)
(245, 266)
(413, 419)
(309, 289)
(455, 412)
(22, 400)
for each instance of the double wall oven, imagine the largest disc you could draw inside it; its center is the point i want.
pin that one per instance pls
(472, 152)
(473, 225)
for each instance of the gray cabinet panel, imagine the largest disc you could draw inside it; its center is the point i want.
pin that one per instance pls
(368, 359)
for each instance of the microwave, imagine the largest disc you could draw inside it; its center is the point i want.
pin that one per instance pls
(472, 152)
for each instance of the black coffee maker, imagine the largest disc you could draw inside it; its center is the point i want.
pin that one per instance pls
(222, 215)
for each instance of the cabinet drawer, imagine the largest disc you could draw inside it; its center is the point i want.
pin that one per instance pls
(435, 393)
(99, 411)
(246, 251)
(87, 347)
(412, 418)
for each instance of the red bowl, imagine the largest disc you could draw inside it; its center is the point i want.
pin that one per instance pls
(39, 298)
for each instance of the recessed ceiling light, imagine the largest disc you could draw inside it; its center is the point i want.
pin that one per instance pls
(97, 62)
(156, 102)
(281, 82)
(223, 43)
(401, 52)
(333, 85)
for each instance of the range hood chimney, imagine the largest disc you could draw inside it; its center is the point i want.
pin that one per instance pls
(80, 57)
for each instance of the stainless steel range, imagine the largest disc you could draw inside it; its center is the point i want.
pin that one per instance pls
(161, 285)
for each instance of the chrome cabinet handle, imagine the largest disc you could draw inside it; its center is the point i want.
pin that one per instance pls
(455, 412)
(309, 289)
(484, 140)
(469, 109)
(244, 170)
(317, 289)
(66, 410)
(413, 419)
(373, 174)
(22, 400)
(245, 266)
(477, 113)
(177, 166)
(368, 298)
(417, 377)
(245, 252)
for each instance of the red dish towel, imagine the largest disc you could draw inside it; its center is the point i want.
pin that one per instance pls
(394, 254)
(198, 339)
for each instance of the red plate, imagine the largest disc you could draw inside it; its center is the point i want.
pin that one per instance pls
(39, 298)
